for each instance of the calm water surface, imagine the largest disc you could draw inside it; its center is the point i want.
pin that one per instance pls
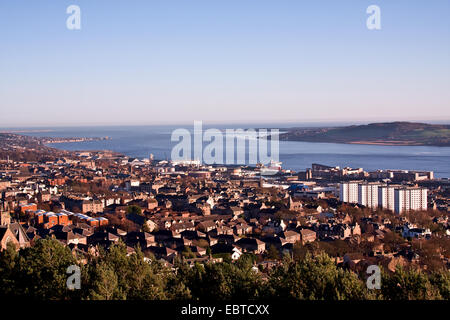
(141, 141)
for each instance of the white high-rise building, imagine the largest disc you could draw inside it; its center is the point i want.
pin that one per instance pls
(409, 198)
(348, 192)
(386, 197)
(368, 194)
(373, 195)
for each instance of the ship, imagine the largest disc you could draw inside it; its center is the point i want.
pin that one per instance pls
(273, 168)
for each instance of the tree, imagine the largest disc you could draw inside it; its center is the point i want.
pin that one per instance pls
(41, 270)
(177, 290)
(393, 241)
(105, 284)
(408, 285)
(143, 280)
(187, 253)
(221, 281)
(314, 278)
(115, 275)
(8, 262)
(441, 281)
(133, 209)
(273, 253)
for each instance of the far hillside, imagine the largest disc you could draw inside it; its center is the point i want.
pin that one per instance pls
(391, 133)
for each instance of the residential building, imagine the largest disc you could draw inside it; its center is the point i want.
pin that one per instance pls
(368, 194)
(386, 197)
(410, 198)
(348, 192)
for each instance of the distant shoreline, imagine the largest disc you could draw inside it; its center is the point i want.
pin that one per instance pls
(298, 158)
(388, 143)
(50, 140)
(382, 134)
(27, 131)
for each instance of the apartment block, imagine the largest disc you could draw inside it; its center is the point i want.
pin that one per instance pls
(348, 192)
(408, 198)
(368, 194)
(386, 197)
(394, 197)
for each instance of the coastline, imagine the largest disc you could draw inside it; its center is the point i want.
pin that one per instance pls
(296, 155)
(391, 143)
(374, 143)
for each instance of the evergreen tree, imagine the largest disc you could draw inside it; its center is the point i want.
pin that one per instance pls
(41, 270)
(314, 278)
(408, 285)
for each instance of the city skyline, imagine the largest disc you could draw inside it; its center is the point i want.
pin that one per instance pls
(157, 63)
(228, 159)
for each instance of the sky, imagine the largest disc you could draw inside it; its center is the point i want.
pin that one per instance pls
(223, 61)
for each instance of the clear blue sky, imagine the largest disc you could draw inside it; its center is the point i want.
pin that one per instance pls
(172, 61)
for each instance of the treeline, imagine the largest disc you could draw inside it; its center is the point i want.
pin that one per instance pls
(39, 272)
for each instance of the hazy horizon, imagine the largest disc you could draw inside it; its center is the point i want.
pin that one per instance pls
(285, 124)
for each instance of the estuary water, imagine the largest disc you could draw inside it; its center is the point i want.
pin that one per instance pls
(141, 141)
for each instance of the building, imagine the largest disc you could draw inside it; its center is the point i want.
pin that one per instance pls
(295, 205)
(132, 185)
(368, 194)
(251, 245)
(83, 205)
(291, 236)
(29, 206)
(348, 192)
(6, 235)
(5, 217)
(94, 206)
(402, 175)
(410, 198)
(395, 198)
(386, 197)
(307, 235)
(408, 175)
(305, 175)
(4, 184)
